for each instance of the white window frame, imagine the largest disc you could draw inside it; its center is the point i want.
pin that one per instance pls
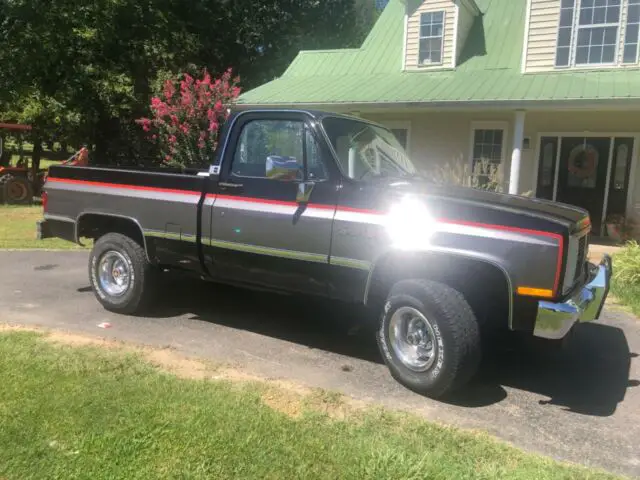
(623, 37)
(401, 125)
(420, 37)
(576, 27)
(486, 125)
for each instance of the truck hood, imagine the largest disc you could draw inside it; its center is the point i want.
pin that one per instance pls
(559, 211)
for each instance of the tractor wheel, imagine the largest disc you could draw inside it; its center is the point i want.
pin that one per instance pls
(4, 179)
(17, 191)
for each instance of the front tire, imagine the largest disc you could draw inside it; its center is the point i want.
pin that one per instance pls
(429, 337)
(122, 279)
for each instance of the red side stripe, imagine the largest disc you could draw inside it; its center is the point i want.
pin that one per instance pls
(526, 231)
(123, 186)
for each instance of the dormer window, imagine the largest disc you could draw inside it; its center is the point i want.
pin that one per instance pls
(431, 38)
(590, 32)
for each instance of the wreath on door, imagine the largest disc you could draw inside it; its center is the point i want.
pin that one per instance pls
(583, 161)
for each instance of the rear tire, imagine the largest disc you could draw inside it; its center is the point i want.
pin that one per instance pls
(429, 337)
(17, 190)
(122, 279)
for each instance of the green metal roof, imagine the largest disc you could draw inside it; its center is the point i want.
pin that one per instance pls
(488, 70)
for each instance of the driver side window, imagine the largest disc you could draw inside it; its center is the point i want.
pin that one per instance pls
(275, 150)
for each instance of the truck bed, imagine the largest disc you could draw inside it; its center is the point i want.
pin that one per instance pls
(146, 197)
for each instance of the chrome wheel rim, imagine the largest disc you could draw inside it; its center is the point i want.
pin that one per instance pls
(413, 339)
(114, 274)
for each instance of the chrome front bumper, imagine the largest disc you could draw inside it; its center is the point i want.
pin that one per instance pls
(555, 320)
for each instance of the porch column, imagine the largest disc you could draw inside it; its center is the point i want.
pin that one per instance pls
(516, 154)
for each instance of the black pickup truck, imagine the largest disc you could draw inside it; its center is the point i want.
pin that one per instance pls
(315, 203)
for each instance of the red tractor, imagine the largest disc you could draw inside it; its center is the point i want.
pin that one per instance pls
(17, 182)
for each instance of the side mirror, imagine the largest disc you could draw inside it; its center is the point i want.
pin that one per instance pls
(283, 168)
(304, 192)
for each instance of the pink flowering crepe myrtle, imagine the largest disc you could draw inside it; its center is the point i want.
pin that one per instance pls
(187, 116)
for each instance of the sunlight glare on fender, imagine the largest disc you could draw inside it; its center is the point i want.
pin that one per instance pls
(409, 224)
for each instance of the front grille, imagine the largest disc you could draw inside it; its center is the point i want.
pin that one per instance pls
(581, 258)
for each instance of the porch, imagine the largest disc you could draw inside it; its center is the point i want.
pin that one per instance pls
(585, 157)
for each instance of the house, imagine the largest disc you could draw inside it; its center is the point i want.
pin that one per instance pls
(547, 89)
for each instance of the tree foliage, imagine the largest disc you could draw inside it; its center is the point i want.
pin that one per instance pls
(84, 71)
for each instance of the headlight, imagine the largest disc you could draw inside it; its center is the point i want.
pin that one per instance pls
(409, 224)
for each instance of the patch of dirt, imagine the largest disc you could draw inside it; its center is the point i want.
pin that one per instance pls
(7, 327)
(177, 364)
(75, 340)
(284, 401)
(284, 396)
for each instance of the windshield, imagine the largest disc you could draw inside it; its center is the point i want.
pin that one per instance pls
(365, 150)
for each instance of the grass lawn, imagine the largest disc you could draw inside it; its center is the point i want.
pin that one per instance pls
(625, 285)
(18, 229)
(88, 412)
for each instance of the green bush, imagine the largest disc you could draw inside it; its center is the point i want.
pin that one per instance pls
(627, 265)
(625, 285)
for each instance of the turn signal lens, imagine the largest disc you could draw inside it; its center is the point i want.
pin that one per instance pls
(535, 292)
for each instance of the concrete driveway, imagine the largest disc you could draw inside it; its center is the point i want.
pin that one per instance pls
(580, 405)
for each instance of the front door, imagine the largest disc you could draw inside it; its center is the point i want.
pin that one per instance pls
(619, 181)
(262, 231)
(582, 178)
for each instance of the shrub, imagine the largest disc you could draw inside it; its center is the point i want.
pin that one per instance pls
(187, 117)
(485, 175)
(627, 265)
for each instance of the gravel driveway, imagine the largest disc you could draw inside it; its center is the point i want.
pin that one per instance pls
(580, 405)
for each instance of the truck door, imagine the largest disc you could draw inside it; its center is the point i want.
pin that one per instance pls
(273, 212)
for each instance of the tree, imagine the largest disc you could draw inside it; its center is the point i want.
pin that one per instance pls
(85, 71)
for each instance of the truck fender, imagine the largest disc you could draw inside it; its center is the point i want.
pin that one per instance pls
(122, 218)
(387, 256)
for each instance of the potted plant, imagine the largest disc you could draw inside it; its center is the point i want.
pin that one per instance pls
(616, 226)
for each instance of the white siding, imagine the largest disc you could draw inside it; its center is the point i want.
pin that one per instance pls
(413, 34)
(544, 18)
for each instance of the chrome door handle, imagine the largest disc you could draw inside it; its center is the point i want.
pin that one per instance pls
(230, 185)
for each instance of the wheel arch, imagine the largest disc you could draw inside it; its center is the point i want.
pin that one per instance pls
(95, 224)
(394, 266)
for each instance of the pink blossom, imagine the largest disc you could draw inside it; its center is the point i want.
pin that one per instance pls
(183, 107)
(169, 89)
(159, 107)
